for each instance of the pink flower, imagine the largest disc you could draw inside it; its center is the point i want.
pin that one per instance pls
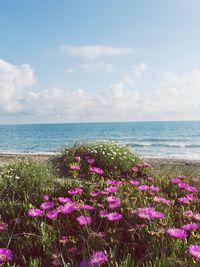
(188, 199)
(52, 215)
(149, 178)
(47, 205)
(149, 213)
(88, 207)
(134, 169)
(84, 220)
(188, 213)
(91, 161)
(77, 158)
(143, 187)
(175, 181)
(114, 183)
(134, 183)
(45, 197)
(192, 189)
(146, 165)
(190, 227)
(95, 193)
(75, 167)
(96, 170)
(35, 213)
(114, 216)
(5, 255)
(103, 213)
(114, 202)
(98, 258)
(75, 191)
(177, 233)
(162, 200)
(197, 216)
(182, 177)
(66, 209)
(3, 226)
(195, 251)
(154, 188)
(111, 189)
(64, 200)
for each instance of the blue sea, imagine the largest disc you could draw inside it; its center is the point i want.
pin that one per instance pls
(151, 139)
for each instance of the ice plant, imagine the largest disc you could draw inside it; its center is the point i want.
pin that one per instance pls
(175, 180)
(3, 226)
(66, 209)
(52, 214)
(149, 213)
(87, 207)
(47, 205)
(188, 213)
(111, 189)
(45, 197)
(84, 220)
(95, 193)
(113, 202)
(75, 167)
(77, 158)
(143, 187)
(114, 216)
(91, 161)
(5, 255)
(103, 213)
(96, 170)
(190, 227)
(64, 200)
(134, 183)
(153, 188)
(195, 251)
(35, 213)
(98, 258)
(75, 191)
(177, 233)
(162, 200)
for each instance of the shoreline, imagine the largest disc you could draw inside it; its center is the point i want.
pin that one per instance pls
(161, 166)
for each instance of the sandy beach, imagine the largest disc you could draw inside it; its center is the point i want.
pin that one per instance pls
(161, 166)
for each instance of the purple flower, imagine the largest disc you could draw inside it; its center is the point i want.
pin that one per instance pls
(35, 213)
(75, 191)
(95, 193)
(3, 226)
(75, 167)
(134, 169)
(188, 199)
(143, 187)
(175, 181)
(96, 170)
(84, 220)
(88, 207)
(190, 227)
(182, 177)
(98, 258)
(64, 200)
(162, 200)
(182, 185)
(103, 213)
(66, 209)
(5, 255)
(52, 214)
(177, 233)
(114, 183)
(45, 197)
(111, 189)
(47, 205)
(197, 216)
(188, 213)
(149, 213)
(114, 202)
(77, 158)
(91, 161)
(195, 251)
(114, 216)
(192, 189)
(153, 188)
(146, 165)
(134, 183)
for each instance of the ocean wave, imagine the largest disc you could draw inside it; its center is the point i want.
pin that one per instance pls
(177, 145)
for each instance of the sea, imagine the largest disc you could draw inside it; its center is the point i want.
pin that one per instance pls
(149, 139)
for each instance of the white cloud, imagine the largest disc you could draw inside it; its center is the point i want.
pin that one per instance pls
(136, 73)
(93, 52)
(13, 82)
(176, 96)
(92, 67)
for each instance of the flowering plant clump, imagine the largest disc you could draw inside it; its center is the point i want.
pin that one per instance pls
(109, 218)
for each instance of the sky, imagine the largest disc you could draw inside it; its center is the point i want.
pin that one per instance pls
(98, 61)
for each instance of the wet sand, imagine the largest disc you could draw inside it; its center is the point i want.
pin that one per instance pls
(161, 166)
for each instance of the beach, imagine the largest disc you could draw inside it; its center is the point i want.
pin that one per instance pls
(161, 166)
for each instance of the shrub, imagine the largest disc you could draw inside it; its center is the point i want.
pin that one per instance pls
(112, 157)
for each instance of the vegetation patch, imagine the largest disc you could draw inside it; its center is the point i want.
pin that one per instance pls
(124, 218)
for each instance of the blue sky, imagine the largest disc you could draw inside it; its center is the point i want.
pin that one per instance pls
(108, 60)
